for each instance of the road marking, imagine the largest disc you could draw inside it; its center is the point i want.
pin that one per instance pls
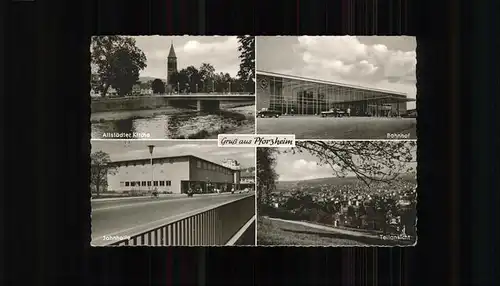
(100, 238)
(154, 202)
(242, 230)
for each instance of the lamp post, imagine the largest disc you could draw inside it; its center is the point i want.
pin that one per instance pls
(196, 88)
(151, 147)
(229, 87)
(178, 89)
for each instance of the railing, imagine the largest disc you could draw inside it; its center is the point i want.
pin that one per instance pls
(221, 225)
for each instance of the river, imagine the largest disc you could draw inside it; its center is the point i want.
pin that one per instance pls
(173, 123)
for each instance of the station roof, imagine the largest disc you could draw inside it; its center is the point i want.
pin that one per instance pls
(260, 72)
(389, 99)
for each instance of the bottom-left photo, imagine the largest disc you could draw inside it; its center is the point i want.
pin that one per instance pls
(172, 193)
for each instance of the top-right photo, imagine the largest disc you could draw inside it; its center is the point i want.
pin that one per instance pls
(337, 87)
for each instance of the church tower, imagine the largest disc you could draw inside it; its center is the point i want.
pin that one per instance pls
(171, 63)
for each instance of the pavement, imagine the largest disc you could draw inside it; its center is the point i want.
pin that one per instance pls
(316, 127)
(380, 241)
(131, 216)
(326, 228)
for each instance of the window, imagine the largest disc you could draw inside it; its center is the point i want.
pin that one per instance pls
(168, 183)
(127, 184)
(149, 183)
(132, 184)
(155, 183)
(162, 183)
(143, 183)
(198, 164)
(122, 184)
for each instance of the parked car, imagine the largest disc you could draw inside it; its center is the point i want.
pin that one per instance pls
(268, 113)
(411, 114)
(335, 112)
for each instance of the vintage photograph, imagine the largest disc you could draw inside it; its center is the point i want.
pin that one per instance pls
(172, 87)
(337, 87)
(171, 193)
(337, 193)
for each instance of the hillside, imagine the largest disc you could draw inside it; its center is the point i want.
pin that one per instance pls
(284, 185)
(145, 79)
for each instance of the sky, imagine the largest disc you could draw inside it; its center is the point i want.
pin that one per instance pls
(303, 166)
(384, 62)
(221, 52)
(125, 150)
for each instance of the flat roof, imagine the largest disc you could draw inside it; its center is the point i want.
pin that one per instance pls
(393, 99)
(147, 160)
(260, 72)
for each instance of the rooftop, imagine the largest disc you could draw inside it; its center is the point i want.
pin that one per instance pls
(118, 162)
(260, 72)
(171, 54)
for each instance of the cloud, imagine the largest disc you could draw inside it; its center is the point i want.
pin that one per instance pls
(194, 47)
(346, 57)
(380, 62)
(220, 51)
(301, 169)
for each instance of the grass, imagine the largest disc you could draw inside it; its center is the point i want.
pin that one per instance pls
(272, 232)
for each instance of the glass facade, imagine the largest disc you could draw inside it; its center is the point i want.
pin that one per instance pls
(302, 97)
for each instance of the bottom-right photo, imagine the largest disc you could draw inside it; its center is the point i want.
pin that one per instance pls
(338, 193)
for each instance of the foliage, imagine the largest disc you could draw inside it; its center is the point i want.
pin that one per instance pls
(99, 169)
(117, 62)
(205, 79)
(370, 161)
(157, 86)
(247, 65)
(266, 174)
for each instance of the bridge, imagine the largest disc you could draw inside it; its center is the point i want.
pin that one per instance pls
(203, 220)
(204, 101)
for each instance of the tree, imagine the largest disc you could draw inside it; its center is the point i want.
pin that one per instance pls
(179, 80)
(207, 73)
(158, 86)
(370, 161)
(99, 169)
(195, 83)
(116, 61)
(266, 175)
(246, 73)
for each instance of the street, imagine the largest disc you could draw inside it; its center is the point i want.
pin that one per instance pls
(316, 127)
(128, 217)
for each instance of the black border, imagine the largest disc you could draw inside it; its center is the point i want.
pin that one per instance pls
(46, 168)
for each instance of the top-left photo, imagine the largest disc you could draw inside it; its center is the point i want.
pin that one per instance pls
(172, 87)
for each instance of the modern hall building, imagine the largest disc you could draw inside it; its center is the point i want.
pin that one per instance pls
(304, 96)
(174, 174)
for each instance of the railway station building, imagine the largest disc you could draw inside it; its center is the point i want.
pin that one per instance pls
(174, 175)
(304, 96)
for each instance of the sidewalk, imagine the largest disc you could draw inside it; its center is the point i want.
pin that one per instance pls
(332, 229)
(173, 196)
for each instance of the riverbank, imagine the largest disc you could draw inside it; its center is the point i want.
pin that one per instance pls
(242, 126)
(176, 123)
(236, 120)
(105, 116)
